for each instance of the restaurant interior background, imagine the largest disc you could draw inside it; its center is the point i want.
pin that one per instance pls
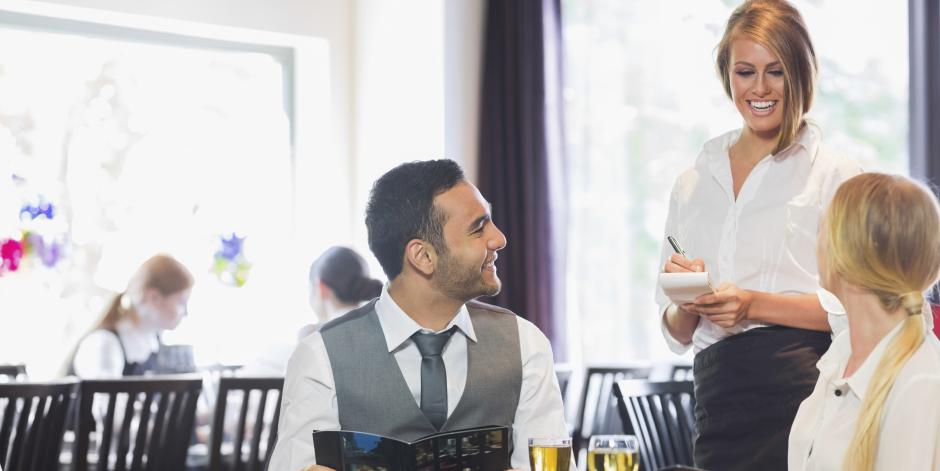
(242, 136)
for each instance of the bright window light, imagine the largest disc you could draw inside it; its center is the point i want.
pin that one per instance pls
(145, 148)
(641, 98)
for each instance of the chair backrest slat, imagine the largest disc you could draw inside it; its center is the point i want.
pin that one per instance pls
(20, 431)
(272, 432)
(6, 426)
(250, 425)
(124, 434)
(240, 430)
(256, 433)
(107, 432)
(157, 434)
(33, 423)
(661, 415)
(143, 426)
(161, 408)
(33, 433)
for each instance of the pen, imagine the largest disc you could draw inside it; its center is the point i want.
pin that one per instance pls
(675, 246)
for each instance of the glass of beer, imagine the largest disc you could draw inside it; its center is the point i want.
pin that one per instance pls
(550, 454)
(613, 453)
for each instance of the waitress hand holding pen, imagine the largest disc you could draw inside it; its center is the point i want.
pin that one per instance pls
(726, 307)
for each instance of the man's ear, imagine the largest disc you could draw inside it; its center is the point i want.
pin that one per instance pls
(420, 255)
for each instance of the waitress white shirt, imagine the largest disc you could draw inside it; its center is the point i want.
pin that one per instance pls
(909, 437)
(764, 240)
(99, 355)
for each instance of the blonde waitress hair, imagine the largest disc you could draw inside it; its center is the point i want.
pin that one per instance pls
(883, 235)
(777, 26)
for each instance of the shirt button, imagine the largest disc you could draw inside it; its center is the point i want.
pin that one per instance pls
(838, 392)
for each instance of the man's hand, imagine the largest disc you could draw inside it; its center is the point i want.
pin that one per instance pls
(726, 308)
(315, 467)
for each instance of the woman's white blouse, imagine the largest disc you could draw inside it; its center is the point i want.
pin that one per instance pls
(765, 239)
(909, 437)
(99, 354)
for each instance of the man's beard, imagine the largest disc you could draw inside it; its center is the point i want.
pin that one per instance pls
(463, 282)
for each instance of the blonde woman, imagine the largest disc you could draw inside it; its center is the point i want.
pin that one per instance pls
(876, 405)
(747, 212)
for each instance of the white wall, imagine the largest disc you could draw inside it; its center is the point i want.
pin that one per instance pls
(463, 59)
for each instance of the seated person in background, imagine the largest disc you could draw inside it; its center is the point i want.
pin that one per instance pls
(424, 357)
(339, 283)
(876, 404)
(126, 340)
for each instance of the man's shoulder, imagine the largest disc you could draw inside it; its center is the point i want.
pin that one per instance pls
(349, 319)
(478, 307)
(527, 330)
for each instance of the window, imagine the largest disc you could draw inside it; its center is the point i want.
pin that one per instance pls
(145, 147)
(641, 98)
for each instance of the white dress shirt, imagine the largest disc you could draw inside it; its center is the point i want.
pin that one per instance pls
(99, 354)
(909, 437)
(309, 401)
(764, 240)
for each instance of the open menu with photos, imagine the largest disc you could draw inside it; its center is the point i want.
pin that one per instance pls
(477, 449)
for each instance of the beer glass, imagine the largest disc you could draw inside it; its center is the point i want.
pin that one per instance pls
(550, 454)
(613, 453)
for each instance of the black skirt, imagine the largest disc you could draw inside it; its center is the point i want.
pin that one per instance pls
(748, 388)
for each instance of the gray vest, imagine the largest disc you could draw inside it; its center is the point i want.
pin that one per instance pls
(372, 395)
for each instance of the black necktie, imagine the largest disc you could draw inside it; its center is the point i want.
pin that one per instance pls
(433, 375)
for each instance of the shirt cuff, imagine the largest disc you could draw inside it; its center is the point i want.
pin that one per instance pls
(676, 346)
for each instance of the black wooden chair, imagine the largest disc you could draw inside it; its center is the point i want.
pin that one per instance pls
(597, 412)
(661, 415)
(13, 372)
(33, 423)
(148, 421)
(260, 429)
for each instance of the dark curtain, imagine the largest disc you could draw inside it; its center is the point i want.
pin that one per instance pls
(925, 90)
(519, 161)
(924, 123)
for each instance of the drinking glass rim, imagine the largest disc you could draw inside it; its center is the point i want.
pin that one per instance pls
(554, 442)
(630, 442)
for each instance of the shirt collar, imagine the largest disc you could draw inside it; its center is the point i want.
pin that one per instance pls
(859, 380)
(398, 327)
(806, 143)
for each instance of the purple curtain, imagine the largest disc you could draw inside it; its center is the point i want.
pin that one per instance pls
(924, 18)
(924, 98)
(520, 164)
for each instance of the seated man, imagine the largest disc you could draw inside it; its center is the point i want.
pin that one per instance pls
(424, 356)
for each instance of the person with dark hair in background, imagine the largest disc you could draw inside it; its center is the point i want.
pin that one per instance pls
(425, 356)
(339, 283)
(126, 340)
(749, 208)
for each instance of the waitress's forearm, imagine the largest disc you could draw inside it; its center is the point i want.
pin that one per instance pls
(680, 324)
(792, 310)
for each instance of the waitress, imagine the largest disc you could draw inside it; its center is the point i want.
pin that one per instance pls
(747, 213)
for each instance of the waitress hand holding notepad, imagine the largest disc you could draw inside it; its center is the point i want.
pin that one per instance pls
(726, 306)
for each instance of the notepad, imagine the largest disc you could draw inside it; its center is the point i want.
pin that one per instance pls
(685, 287)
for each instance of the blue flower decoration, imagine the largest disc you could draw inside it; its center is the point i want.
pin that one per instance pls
(231, 247)
(43, 208)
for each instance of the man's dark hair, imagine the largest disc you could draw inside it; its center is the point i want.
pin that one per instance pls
(401, 208)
